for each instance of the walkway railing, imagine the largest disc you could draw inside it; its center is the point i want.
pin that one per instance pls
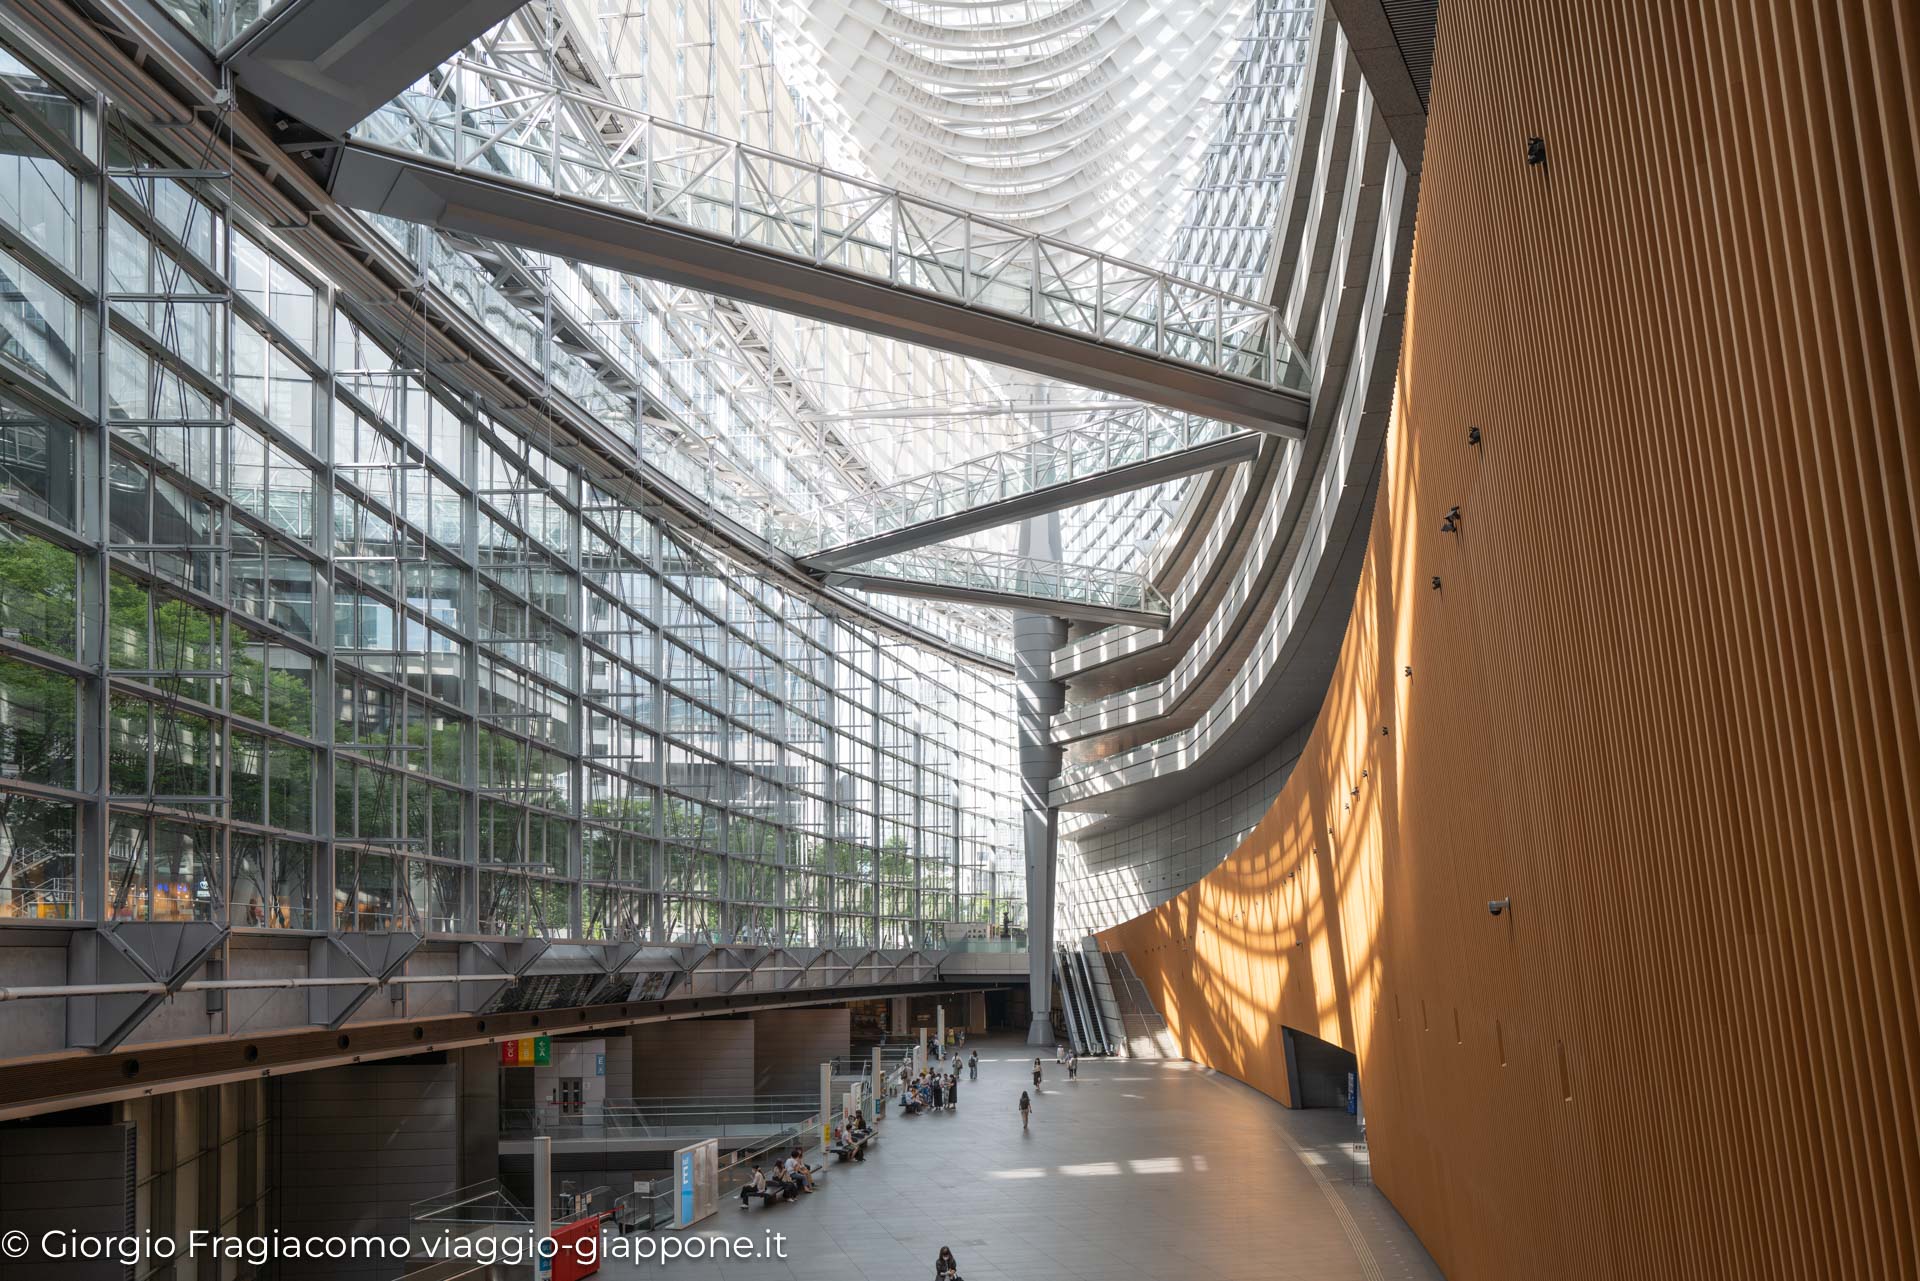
(973, 573)
(495, 121)
(1138, 436)
(658, 1118)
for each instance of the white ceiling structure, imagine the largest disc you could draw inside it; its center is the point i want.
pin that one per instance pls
(1154, 130)
(1080, 119)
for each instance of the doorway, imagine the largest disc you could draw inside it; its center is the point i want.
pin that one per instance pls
(1319, 1073)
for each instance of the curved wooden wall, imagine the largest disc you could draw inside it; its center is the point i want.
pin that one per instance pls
(1665, 695)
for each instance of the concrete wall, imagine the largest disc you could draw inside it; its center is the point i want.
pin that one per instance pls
(582, 1058)
(72, 1177)
(693, 1058)
(479, 1072)
(790, 1045)
(356, 1146)
(620, 1064)
(1664, 695)
(1118, 869)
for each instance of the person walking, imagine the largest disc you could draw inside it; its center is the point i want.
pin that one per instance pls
(1036, 1074)
(1073, 1066)
(953, 1092)
(973, 1066)
(1026, 1110)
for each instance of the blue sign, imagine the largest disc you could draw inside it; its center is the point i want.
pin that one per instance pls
(599, 1065)
(1353, 1093)
(686, 1188)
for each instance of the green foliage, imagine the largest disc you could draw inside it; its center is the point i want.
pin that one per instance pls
(38, 586)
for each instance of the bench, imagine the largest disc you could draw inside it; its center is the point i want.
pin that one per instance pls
(854, 1151)
(779, 1191)
(775, 1192)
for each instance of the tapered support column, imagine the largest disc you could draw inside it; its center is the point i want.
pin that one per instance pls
(1035, 637)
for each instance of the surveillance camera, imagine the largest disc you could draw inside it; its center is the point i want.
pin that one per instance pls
(1498, 905)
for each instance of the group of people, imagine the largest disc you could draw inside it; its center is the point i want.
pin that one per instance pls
(933, 1091)
(852, 1136)
(788, 1178)
(1069, 1059)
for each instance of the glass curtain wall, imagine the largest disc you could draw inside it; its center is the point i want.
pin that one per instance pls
(294, 637)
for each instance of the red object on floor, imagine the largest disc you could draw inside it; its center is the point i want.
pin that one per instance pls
(566, 1261)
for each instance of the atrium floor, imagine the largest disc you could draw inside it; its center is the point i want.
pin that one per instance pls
(1138, 1171)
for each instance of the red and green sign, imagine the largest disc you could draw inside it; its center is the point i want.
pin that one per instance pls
(528, 1051)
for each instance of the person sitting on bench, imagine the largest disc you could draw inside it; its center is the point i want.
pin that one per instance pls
(759, 1187)
(780, 1181)
(797, 1172)
(849, 1146)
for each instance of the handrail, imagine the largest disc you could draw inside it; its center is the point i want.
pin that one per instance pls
(493, 121)
(647, 1119)
(1135, 434)
(1009, 574)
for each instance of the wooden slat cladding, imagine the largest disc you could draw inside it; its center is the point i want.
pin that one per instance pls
(1665, 694)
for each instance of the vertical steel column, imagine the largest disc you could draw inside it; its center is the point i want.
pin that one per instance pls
(94, 511)
(542, 1202)
(1038, 696)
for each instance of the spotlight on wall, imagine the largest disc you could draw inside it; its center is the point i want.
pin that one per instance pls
(1406, 671)
(1436, 582)
(1536, 151)
(1473, 435)
(1496, 906)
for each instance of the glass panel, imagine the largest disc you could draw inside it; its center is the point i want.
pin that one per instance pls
(186, 874)
(37, 841)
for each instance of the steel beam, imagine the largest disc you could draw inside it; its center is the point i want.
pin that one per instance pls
(1050, 498)
(886, 586)
(379, 179)
(332, 63)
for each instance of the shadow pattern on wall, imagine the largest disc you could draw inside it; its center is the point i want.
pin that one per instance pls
(1655, 685)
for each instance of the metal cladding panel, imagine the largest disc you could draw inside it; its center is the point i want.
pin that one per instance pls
(1663, 696)
(332, 63)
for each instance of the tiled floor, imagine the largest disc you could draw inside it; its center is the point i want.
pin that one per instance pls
(1138, 1171)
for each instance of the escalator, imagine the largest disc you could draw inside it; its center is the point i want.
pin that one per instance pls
(1090, 1001)
(1068, 1006)
(1085, 1023)
(1145, 1033)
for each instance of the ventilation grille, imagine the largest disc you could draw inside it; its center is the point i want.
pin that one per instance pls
(1413, 22)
